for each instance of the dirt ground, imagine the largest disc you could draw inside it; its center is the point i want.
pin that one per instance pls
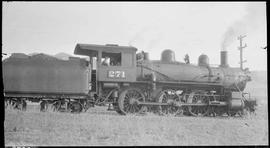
(101, 127)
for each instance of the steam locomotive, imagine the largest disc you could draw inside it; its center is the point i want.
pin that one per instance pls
(128, 81)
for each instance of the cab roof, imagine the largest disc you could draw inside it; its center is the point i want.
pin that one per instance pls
(92, 49)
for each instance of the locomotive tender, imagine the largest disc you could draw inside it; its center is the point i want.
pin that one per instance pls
(133, 84)
(44, 79)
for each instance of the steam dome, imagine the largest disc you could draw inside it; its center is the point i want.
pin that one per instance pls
(203, 60)
(168, 56)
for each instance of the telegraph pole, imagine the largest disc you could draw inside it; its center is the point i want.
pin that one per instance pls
(241, 50)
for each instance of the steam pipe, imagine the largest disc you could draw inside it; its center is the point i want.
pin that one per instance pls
(210, 72)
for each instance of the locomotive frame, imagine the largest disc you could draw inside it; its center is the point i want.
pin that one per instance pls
(117, 77)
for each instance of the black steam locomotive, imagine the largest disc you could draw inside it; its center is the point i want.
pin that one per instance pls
(128, 82)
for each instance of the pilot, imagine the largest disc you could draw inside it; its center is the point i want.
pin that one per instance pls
(106, 62)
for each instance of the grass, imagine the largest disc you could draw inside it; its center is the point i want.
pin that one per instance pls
(100, 127)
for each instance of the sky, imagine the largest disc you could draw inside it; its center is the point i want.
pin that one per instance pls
(192, 28)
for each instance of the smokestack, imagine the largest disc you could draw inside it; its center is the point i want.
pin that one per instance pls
(223, 59)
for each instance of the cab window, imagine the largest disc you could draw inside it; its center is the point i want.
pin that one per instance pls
(111, 59)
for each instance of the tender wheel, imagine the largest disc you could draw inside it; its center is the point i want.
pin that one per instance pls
(76, 107)
(43, 106)
(87, 105)
(128, 101)
(6, 103)
(56, 106)
(169, 96)
(24, 105)
(13, 104)
(198, 98)
(21, 105)
(48, 105)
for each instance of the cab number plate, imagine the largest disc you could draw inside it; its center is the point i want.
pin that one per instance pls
(116, 74)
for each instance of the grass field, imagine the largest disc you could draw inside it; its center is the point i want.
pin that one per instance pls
(100, 127)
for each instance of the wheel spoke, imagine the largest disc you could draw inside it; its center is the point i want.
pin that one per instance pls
(136, 95)
(128, 95)
(126, 101)
(132, 109)
(126, 106)
(136, 108)
(139, 98)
